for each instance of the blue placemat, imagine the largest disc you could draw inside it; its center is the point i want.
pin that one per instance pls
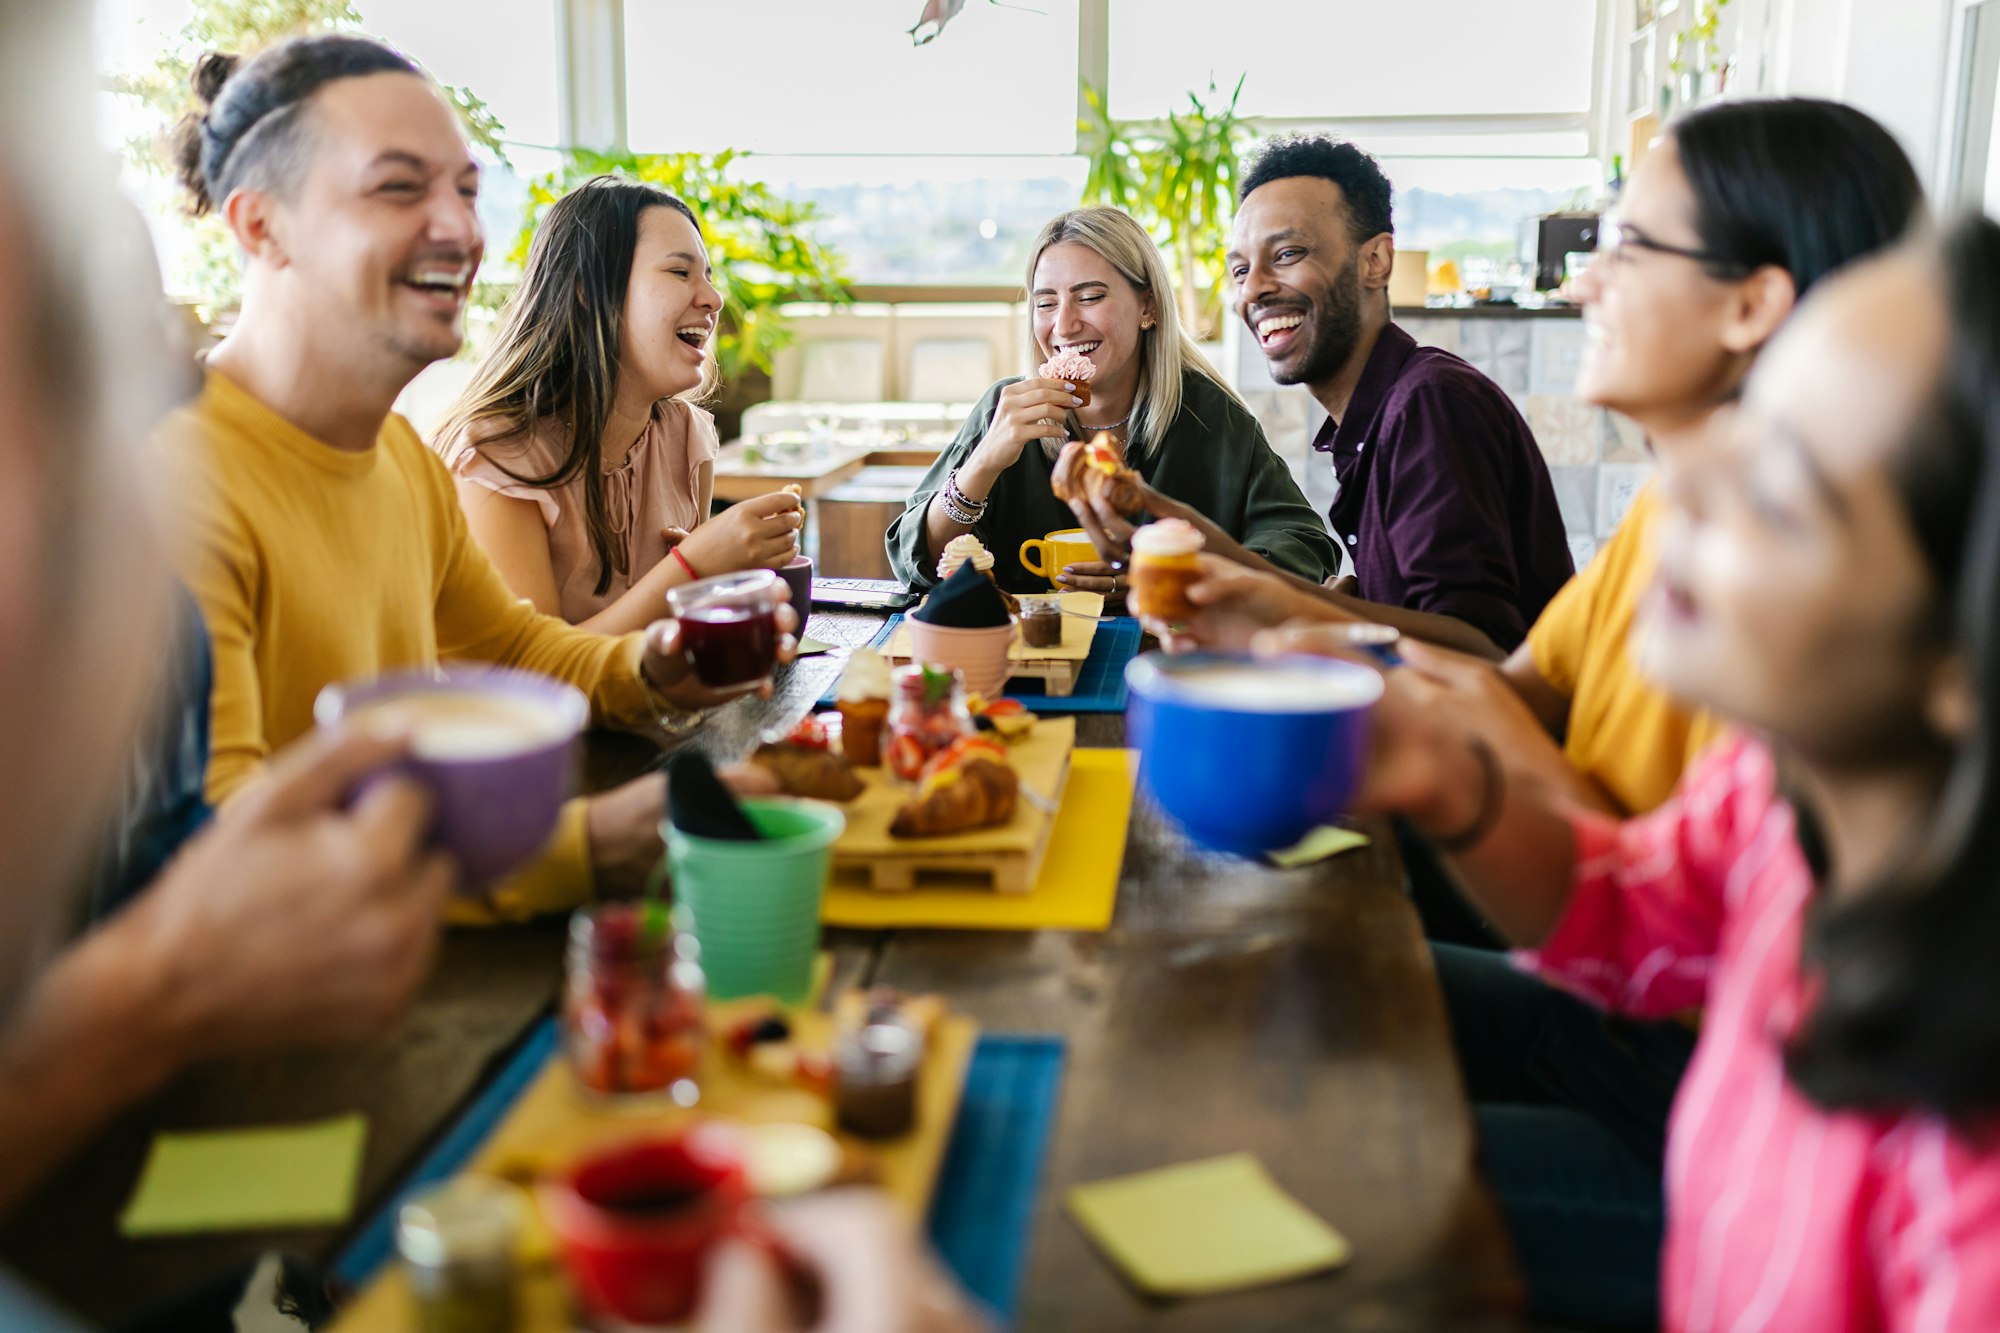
(1100, 687)
(980, 1214)
(370, 1249)
(984, 1209)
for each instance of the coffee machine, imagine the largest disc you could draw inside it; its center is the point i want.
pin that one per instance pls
(1548, 241)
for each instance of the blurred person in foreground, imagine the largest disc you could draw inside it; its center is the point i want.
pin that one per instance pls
(293, 919)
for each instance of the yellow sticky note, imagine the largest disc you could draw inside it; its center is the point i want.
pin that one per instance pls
(242, 1179)
(1324, 841)
(1207, 1226)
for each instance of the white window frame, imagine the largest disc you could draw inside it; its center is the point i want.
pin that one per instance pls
(591, 86)
(1946, 179)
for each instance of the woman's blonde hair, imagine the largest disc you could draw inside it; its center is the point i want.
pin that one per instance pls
(1166, 354)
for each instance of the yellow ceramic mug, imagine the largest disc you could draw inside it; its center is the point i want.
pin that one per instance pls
(1044, 557)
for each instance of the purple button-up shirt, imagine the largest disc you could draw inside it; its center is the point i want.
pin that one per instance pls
(1445, 503)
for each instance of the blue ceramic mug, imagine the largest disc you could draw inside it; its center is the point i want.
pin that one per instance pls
(1250, 755)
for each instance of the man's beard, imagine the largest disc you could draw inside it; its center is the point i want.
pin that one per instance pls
(422, 349)
(1336, 330)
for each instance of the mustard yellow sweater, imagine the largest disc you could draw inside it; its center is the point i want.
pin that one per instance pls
(314, 565)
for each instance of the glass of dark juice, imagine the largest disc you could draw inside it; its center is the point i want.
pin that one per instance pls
(729, 625)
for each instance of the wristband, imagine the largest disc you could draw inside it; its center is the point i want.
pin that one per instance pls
(1492, 792)
(692, 572)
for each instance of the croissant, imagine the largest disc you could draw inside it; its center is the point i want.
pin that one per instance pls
(969, 795)
(803, 770)
(1093, 470)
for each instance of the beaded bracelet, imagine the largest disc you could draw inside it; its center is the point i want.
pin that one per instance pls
(965, 501)
(953, 512)
(960, 507)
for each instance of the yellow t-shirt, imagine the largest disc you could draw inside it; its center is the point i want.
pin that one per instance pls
(314, 564)
(1623, 732)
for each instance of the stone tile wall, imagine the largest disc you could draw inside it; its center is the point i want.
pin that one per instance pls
(1597, 459)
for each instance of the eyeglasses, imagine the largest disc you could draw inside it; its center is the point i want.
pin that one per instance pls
(1614, 238)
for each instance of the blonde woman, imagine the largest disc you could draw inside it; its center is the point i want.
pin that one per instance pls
(582, 463)
(1097, 288)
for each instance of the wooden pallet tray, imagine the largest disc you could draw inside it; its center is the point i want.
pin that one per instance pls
(1057, 668)
(551, 1126)
(1007, 858)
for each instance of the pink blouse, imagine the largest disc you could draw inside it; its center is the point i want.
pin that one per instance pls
(1780, 1215)
(654, 488)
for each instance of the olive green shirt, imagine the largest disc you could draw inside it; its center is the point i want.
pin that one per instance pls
(1214, 459)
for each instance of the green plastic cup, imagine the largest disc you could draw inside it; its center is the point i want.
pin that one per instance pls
(754, 906)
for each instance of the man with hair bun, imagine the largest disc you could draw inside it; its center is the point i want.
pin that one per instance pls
(327, 541)
(293, 919)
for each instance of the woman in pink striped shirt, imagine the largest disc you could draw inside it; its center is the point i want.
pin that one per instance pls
(1825, 885)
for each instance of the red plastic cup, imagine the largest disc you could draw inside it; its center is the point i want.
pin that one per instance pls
(635, 1223)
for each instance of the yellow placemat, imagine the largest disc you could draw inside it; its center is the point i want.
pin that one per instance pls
(1075, 646)
(241, 1179)
(1078, 886)
(1215, 1225)
(1324, 841)
(1039, 759)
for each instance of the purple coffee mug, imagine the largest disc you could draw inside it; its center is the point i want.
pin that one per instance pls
(798, 576)
(494, 746)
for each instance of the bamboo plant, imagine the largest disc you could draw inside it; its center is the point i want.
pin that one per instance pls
(1177, 177)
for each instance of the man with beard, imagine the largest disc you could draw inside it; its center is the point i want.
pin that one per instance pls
(1444, 510)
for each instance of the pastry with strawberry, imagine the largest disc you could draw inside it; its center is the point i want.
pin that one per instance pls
(1093, 470)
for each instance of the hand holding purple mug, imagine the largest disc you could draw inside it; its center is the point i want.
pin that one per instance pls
(494, 747)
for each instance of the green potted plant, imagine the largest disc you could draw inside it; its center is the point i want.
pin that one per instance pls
(1177, 177)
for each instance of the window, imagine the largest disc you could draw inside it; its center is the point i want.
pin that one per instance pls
(1335, 59)
(929, 220)
(815, 76)
(506, 58)
(1975, 172)
(1470, 210)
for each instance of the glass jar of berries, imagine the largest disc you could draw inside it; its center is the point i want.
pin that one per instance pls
(632, 1004)
(927, 713)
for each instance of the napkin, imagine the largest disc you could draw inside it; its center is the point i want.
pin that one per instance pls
(245, 1179)
(698, 803)
(969, 599)
(1214, 1225)
(1325, 841)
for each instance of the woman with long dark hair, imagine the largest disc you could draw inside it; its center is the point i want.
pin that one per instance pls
(1822, 885)
(584, 466)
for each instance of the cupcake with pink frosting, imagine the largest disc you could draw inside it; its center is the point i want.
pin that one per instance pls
(1073, 367)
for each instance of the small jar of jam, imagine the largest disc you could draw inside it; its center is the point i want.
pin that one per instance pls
(1041, 620)
(1165, 564)
(875, 1076)
(927, 713)
(632, 1004)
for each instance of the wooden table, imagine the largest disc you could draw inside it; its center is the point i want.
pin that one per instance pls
(1229, 1007)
